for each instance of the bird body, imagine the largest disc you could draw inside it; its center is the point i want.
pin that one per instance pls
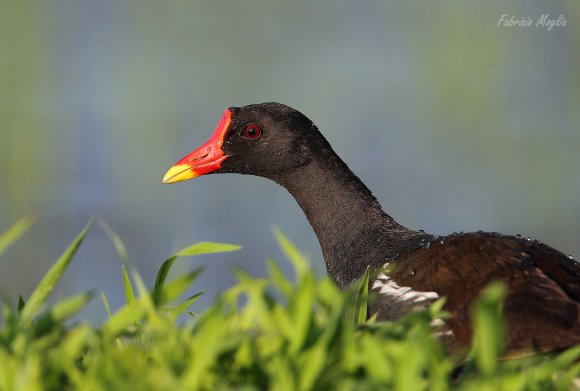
(542, 307)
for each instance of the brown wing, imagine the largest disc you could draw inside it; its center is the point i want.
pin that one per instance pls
(542, 308)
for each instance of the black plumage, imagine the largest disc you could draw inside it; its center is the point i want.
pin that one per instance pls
(542, 308)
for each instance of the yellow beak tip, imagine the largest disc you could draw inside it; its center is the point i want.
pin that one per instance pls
(178, 173)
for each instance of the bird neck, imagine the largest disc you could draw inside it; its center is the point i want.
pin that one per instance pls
(353, 231)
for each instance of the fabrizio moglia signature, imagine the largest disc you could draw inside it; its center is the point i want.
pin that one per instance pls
(545, 21)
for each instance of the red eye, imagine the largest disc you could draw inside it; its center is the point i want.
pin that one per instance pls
(252, 132)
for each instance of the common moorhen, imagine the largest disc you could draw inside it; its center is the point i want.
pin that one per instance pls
(542, 307)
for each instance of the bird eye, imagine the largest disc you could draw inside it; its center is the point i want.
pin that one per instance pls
(252, 132)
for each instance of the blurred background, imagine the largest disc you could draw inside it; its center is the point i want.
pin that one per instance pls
(454, 122)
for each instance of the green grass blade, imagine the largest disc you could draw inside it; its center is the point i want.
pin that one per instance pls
(301, 315)
(62, 311)
(207, 248)
(129, 292)
(279, 279)
(106, 304)
(123, 319)
(162, 276)
(16, 231)
(154, 318)
(118, 340)
(50, 279)
(6, 313)
(21, 303)
(173, 289)
(292, 253)
(180, 309)
(196, 249)
(488, 328)
(362, 299)
(7, 308)
(116, 239)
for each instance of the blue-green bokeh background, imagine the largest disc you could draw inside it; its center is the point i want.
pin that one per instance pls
(455, 123)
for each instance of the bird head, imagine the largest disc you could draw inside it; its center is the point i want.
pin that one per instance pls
(267, 139)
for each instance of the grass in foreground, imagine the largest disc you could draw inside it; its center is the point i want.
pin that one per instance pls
(263, 333)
